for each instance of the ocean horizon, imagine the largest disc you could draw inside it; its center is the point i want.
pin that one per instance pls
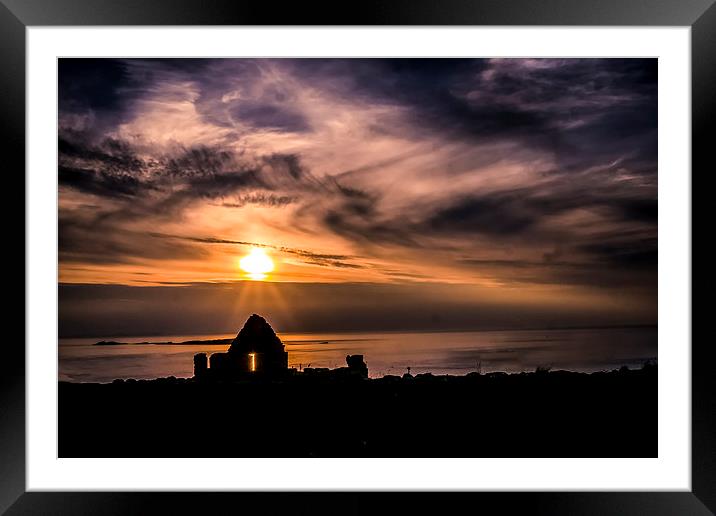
(386, 353)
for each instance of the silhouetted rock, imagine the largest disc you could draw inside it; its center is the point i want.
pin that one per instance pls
(356, 365)
(200, 365)
(496, 374)
(310, 371)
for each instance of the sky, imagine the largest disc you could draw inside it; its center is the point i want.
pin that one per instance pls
(389, 193)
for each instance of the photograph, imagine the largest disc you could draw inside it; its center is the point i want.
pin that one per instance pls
(357, 257)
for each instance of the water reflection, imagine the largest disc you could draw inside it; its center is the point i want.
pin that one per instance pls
(385, 353)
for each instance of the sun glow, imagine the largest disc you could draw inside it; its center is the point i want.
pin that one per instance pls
(256, 264)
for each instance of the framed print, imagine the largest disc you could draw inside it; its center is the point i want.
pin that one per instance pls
(417, 248)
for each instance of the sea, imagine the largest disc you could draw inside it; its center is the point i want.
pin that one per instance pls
(455, 353)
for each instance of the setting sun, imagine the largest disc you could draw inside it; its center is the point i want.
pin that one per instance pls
(256, 264)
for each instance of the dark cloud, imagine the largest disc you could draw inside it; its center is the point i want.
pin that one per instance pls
(260, 199)
(113, 169)
(114, 155)
(499, 214)
(102, 242)
(518, 214)
(199, 162)
(568, 106)
(565, 105)
(639, 254)
(644, 210)
(519, 211)
(593, 271)
(98, 84)
(128, 188)
(322, 259)
(109, 168)
(268, 116)
(99, 182)
(369, 231)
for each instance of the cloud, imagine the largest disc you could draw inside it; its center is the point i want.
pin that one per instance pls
(640, 255)
(99, 182)
(259, 198)
(461, 169)
(270, 116)
(112, 168)
(558, 105)
(322, 259)
(93, 242)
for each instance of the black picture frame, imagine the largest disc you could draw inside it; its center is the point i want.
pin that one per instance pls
(17, 15)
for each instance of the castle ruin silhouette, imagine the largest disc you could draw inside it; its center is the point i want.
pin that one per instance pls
(258, 352)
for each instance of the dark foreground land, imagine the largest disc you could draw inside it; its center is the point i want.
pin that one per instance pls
(555, 414)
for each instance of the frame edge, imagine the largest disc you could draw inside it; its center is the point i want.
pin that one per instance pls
(12, 143)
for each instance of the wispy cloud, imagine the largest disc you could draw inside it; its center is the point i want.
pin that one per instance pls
(526, 172)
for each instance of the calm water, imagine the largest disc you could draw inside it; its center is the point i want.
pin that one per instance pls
(385, 353)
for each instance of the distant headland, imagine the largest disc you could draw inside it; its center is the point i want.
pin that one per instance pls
(208, 342)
